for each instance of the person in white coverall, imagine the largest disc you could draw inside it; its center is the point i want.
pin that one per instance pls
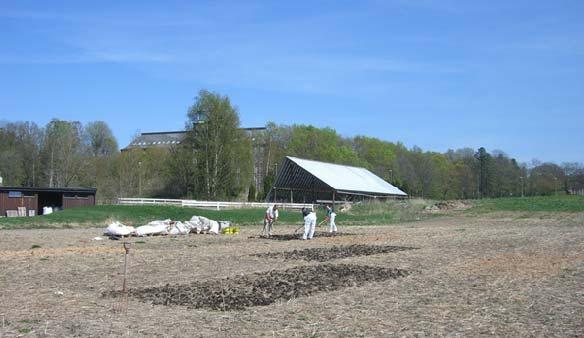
(309, 223)
(270, 217)
(332, 225)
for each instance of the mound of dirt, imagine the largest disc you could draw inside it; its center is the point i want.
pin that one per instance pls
(334, 252)
(298, 236)
(263, 288)
(448, 205)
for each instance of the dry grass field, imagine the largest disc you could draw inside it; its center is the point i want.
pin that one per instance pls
(503, 274)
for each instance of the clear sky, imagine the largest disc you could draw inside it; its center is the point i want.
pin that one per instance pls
(438, 74)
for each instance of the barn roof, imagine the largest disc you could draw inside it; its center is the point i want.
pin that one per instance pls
(297, 173)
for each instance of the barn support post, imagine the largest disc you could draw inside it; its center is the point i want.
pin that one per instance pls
(275, 194)
(313, 192)
(291, 196)
(333, 199)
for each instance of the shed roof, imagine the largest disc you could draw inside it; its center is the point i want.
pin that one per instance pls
(57, 190)
(342, 178)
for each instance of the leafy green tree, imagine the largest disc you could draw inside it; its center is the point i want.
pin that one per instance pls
(20, 144)
(99, 139)
(379, 156)
(484, 160)
(251, 195)
(322, 144)
(546, 179)
(574, 177)
(62, 153)
(222, 151)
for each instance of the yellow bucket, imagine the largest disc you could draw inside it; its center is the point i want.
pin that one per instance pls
(230, 231)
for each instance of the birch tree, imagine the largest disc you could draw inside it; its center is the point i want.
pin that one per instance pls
(222, 151)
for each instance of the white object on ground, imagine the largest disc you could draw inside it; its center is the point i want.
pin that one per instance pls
(118, 229)
(47, 210)
(154, 228)
(200, 224)
(179, 228)
(224, 224)
(97, 239)
(214, 228)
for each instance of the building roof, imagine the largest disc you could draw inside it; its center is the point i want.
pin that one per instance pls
(166, 139)
(308, 174)
(33, 189)
(157, 139)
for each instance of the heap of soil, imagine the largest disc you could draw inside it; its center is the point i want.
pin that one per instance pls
(448, 205)
(334, 252)
(298, 236)
(263, 288)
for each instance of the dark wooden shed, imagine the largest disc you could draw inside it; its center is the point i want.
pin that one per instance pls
(11, 198)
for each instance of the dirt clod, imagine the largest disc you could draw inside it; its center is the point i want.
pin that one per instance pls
(260, 289)
(334, 252)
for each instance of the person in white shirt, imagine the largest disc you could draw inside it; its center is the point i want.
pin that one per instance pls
(270, 217)
(332, 225)
(309, 223)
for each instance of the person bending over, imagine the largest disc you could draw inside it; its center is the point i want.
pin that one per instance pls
(269, 218)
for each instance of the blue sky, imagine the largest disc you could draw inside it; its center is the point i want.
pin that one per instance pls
(441, 74)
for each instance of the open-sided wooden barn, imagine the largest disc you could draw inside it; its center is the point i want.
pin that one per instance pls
(12, 198)
(307, 181)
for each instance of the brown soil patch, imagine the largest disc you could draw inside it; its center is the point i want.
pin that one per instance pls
(58, 251)
(335, 252)
(298, 236)
(360, 239)
(259, 289)
(520, 263)
(471, 277)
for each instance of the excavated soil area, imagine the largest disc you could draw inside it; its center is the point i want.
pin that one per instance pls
(260, 289)
(298, 236)
(334, 252)
(486, 275)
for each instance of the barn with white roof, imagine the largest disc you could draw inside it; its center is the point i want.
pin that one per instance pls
(307, 181)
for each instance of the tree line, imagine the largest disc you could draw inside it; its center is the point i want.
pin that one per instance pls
(218, 160)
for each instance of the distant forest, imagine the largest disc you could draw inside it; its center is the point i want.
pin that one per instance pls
(216, 161)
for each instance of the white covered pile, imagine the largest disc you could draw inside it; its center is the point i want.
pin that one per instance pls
(197, 224)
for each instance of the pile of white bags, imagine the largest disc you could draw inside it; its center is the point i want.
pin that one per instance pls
(200, 224)
(117, 229)
(153, 228)
(197, 224)
(179, 228)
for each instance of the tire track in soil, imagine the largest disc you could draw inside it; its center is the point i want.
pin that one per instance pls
(263, 288)
(334, 252)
